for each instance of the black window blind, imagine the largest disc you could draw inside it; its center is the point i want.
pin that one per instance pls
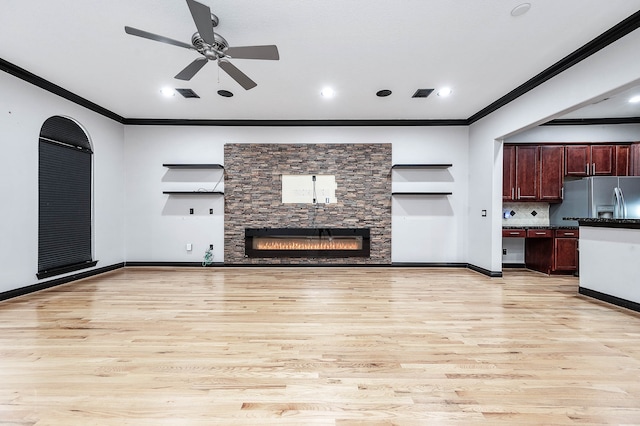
(64, 225)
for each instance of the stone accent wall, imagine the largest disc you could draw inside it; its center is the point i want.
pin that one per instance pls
(253, 195)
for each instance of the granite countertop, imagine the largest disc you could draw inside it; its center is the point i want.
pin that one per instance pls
(606, 223)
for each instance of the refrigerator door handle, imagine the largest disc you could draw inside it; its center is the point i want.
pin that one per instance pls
(623, 204)
(617, 203)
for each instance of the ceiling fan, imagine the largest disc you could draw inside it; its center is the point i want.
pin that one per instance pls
(212, 46)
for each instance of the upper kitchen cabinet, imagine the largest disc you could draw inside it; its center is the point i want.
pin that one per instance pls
(602, 160)
(509, 172)
(577, 160)
(551, 173)
(520, 173)
(589, 160)
(622, 160)
(634, 159)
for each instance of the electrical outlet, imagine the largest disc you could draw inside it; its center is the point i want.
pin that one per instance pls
(504, 252)
(210, 246)
(210, 211)
(190, 211)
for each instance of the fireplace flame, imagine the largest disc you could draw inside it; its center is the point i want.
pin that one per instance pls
(267, 243)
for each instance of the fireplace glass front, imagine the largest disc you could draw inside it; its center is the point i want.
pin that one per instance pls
(307, 242)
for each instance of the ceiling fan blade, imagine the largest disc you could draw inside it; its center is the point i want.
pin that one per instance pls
(202, 18)
(156, 37)
(242, 79)
(190, 70)
(254, 52)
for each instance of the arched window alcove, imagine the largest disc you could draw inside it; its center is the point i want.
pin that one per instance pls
(65, 198)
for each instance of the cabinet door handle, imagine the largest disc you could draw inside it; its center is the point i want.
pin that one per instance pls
(518, 193)
(514, 233)
(512, 190)
(540, 233)
(562, 193)
(593, 169)
(569, 233)
(587, 168)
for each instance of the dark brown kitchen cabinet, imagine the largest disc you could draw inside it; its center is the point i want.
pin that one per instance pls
(551, 173)
(602, 160)
(538, 253)
(508, 173)
(527, 173)
(589, 160)
(577, 159)
(565, 251)
(622, 157)
(520, 173)
(634, 159)
(552, 251)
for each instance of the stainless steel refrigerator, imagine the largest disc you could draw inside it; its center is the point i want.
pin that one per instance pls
(600, 196)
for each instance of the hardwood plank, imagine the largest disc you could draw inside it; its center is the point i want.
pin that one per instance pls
(317, 346)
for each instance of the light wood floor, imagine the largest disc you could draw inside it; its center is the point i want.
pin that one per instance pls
(317, 346)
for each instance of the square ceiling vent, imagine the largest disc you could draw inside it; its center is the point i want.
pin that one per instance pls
(187, 93)
(422, 93)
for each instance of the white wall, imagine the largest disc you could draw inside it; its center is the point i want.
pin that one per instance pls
(611, 69)
(159, 226)
(23, 110)
(579, 134)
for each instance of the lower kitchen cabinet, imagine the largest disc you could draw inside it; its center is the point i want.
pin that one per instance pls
(551, 251)
(565, 254)
(538, 254)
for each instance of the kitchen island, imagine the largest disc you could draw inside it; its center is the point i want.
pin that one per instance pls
(610, 260)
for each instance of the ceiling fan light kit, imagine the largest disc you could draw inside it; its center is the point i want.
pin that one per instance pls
(212, 46)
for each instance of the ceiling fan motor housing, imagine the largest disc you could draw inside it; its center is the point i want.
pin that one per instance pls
(210, 51)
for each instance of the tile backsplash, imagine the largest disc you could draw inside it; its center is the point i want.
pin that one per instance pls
(525, 214)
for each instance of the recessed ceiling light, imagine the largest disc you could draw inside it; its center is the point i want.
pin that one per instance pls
(328, 92)
(167, 92)
(520, 9)
(225, 93)
(635, 99)
(383, 93)
(444, 92)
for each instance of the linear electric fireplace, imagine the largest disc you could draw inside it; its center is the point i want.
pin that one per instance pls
(307, 242)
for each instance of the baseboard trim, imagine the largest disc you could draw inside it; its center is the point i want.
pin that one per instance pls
(492, 274)
(173, 264)
(514, 265)
(431, 264)
(58, 281)
(623, 303)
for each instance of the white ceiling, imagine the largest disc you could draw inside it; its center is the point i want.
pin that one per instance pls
(356, 46)
(609, 106)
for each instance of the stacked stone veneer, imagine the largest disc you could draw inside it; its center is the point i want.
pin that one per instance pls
(253, 195)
